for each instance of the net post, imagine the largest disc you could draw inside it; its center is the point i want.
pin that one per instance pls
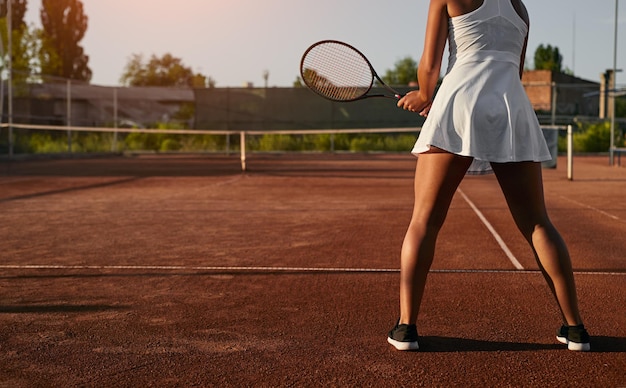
(115, 120)
(242, 138)
(68, 102)
(10, 78)
(570, 152)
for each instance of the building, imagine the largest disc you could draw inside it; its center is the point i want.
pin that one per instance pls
(560, 94)
(96, 106)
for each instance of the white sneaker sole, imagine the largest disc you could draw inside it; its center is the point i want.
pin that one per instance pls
(575, 346)
(403, 345)
(578, 347)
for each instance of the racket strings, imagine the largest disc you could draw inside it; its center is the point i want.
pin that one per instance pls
(337, 71)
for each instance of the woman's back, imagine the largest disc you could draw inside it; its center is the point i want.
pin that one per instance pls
(460, 7)
(493, 31)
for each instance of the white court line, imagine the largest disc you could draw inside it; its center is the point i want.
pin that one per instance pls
(198, 268)
(592, 208)
(495, 234)
(244, 269)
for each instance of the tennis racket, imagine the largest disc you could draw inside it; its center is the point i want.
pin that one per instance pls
(339, 72)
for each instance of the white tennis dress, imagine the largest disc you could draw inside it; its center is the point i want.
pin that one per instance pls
(481, 108)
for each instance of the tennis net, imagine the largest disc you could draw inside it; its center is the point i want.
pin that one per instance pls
(27, 139)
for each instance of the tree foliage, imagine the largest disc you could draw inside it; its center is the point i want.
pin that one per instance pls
(298, 83)
(548, 58)
(18, 27)
(25, 44)
(165, 71)
(403, 73)
(18, 10)
(620, 107)
(64, 25)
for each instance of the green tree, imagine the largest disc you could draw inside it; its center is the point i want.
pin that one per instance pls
(403, 73)
(620, 107)
(548, 58)
(165, 71)
(595, 137)
(64, 25)
(24, 44)
(18, 10)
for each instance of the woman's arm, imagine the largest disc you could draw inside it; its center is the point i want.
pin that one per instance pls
(430, 63)
(521, 10)
(523, 58)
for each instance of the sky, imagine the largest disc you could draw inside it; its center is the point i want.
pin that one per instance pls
(235, 41)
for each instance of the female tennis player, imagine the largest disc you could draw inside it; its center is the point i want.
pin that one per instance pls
(480, 121)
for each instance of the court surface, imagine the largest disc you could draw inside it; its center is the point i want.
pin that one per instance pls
(184, 271)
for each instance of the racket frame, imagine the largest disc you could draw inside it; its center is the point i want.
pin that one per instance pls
(396, 95)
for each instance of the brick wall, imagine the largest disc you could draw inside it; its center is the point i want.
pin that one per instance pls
(574, 96)
(538, 86)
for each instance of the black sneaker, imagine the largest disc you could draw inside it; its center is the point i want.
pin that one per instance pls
(561, 334)
(403, 337)
(576, 337)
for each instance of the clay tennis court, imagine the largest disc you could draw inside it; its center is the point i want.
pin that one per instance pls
(184, 271)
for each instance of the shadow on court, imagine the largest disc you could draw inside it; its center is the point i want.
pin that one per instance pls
(57, 308)
(601, 344)
(67, 190)
(451, 344)
(113, 166)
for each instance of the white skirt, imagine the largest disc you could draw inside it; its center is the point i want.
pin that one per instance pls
(482, 110)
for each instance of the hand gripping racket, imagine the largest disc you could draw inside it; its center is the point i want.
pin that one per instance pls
(339, 72)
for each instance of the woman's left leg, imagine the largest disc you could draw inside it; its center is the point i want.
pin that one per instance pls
(437, 176)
